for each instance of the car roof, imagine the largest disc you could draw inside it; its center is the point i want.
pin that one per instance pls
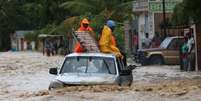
(91, 54)
(176, 37)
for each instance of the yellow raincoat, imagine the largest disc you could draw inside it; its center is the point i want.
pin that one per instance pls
(106, 42)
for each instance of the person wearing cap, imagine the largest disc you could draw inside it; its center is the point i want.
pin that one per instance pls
(84, 26)
(107, 43)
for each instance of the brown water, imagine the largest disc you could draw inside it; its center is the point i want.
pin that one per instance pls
(24, 77)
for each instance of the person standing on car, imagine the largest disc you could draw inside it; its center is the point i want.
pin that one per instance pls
(84, 26)
(107, 43)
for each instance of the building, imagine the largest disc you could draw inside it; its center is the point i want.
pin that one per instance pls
(18, 42)
(149, 17)
(46, 40)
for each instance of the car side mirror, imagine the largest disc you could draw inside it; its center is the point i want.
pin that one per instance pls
(131, 67)
(53, 71)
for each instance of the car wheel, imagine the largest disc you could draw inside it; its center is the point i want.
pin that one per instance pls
(126, 80)
(55, 85)
(156, 60)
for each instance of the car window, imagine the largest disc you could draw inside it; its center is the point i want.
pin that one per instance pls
(180, 42)
(74, 64)
(175, 44)
(109, 64)
(97, 65)
(89, 65)
(165, 43)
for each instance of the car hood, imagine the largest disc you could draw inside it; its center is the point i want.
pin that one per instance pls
(86, 78)
(151, 49)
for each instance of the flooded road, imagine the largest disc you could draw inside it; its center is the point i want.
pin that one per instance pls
(24, 72)
(24, 77)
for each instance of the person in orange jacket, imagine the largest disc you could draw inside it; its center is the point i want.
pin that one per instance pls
(84, 26)
(107, 43)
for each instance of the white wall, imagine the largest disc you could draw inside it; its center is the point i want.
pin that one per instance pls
(151, 25)
(141, 27)
(148, 28)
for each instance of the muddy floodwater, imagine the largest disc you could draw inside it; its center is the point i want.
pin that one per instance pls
(24, 77)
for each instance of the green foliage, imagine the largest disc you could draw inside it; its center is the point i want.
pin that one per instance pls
(9, 19)
(48, 29)
(98, 12)
(28, 15)
(57, 16)
(31, 36)
(186, 11)
(118, 33)
(118, 10)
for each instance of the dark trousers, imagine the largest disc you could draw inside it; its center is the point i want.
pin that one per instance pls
(124, 59)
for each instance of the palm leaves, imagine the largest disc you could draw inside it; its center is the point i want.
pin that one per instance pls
(106, 8)
(77, 7)
(109, 9)
(187, 10)
(98, 11)
(49, 15)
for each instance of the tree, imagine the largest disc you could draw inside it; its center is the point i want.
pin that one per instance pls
(98, 11)
(118, 10)
(186, 11)
(28, 15)
(58, 16)
(9, 18)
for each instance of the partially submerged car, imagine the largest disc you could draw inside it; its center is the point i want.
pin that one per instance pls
(91, 69)
(167, 53)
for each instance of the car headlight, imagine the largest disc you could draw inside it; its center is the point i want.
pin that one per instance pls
(142, 54)
(145, 53)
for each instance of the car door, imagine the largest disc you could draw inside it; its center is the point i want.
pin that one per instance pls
(173, 51)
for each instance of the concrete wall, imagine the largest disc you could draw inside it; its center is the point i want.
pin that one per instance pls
(127, 37)
(158, 19)
(145, 25)
(141, 28)
(198, 39)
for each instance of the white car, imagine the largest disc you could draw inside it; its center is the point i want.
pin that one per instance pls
(91, 69)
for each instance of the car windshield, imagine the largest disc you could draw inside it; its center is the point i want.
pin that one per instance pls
(89, 65)
(165, 43)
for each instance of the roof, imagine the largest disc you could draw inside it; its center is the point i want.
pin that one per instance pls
(91, 54)
(21, 33)
(47, 35)
(176, 37)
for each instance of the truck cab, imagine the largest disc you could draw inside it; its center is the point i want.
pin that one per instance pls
(167, 53)
(91, 69)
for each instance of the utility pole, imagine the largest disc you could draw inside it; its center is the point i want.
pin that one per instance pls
(164, 19)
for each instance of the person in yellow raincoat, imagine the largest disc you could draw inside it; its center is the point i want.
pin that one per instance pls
(107, 43)
(84, 26)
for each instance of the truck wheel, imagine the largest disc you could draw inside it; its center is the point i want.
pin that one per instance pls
(126, 80)
(55, 85)
(156, 60)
